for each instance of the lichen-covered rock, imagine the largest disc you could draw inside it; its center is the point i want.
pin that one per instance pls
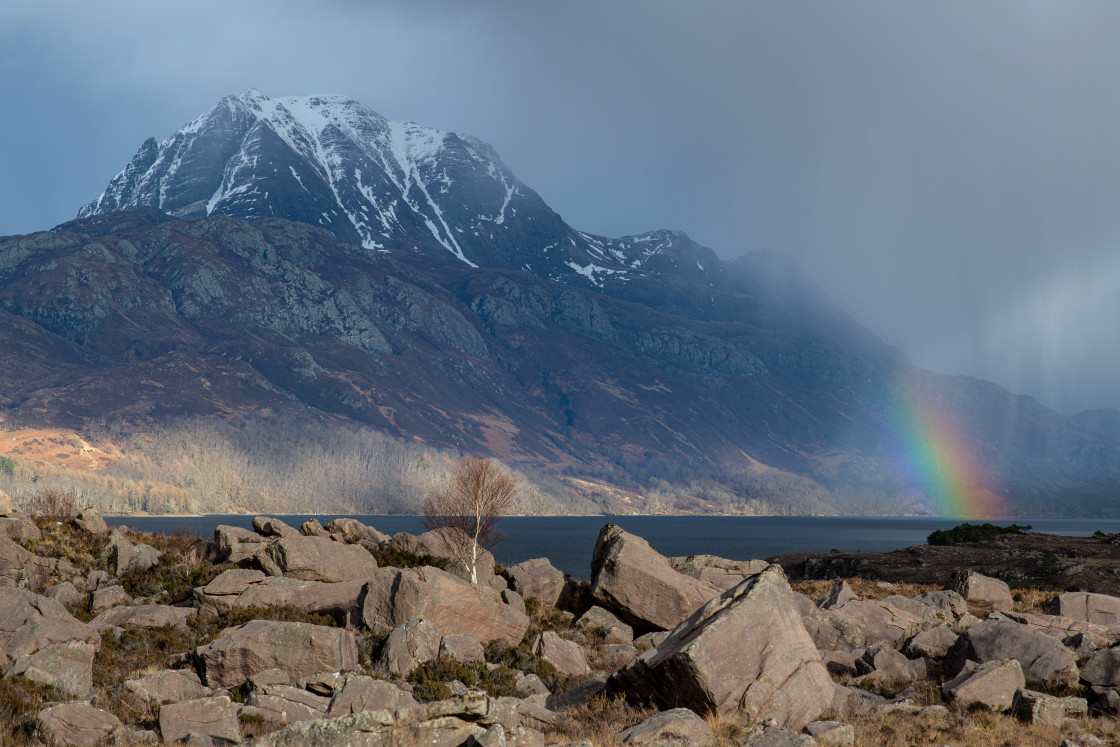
(537, 578)
(212, 717)
(396, 595)
(743, 656)
(298, 648)
(66, 666)
(769, 734)
(636, 582)
(831, 733)
(678, 727)
(992, 684)
(77, 725)
(316, 559)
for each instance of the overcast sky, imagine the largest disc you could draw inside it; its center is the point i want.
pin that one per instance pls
(948, 171)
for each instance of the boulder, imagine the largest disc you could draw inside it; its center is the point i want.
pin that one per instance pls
(316, 559)
(989, 593)
(108, 597)
(266, 526)
(285, 704)
(861, 623)
(312, 528)
(21, 568)
(769, 734)
(1060, 627)
(1103, 669)
(720, 573)
(360, 693)
(408, 646)
(444, 723)
(213, 718)
(461, 647)
(124, 556)
(7, 508)
(678, 727)
(567, 656)
(513, 599)
(743, 656)
(1041, 709)
(29, 622)
(1100, 609)
(1046, 663)
(90, 520)
(614, 630)
(837, 596)
(831, 733)
(992, 684)
(298, 648)
(433, 543)
(537, 578)
(354, 531)
(66, 594)
(279, 591)
(77, 725)
(636, 582)
(932, 643)
(19, 529)
(145, 616)
(68, 667)
(167, 686)
(396, 595)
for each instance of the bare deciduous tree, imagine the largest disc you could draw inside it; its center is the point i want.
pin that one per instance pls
(466, 511)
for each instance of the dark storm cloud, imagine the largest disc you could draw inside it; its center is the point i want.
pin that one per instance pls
(949, 172)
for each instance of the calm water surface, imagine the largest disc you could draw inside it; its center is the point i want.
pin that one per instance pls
(568, 541)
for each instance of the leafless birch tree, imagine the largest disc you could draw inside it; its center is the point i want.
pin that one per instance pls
(466, 511)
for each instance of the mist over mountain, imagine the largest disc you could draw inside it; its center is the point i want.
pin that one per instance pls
(306, 255)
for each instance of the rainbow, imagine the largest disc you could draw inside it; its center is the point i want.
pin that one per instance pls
(931, 456)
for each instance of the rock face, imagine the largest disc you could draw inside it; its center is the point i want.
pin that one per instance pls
(1103, 669)
(145, 616)
(992, 684)
(395, 596)
(537, 578)
(743, 656)
(567, 656)
(28, 622)
(721, 573)
(77, 725)
(861, 623)
(316, 559)
(298, 648)
(984, 590)
(408, 646)
(636, 582)
(1100, 609)
(66, 666)
(19, 567)
(360, 693)
(1046, 663)
(168, 686)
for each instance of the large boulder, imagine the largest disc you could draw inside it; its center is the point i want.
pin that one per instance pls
(1100, 609)
(715, 571)
(266, 526)
(125, 556)
(316, 559)
(77, 725)
(992, 684)
(537, 578)
(300, 649)
(212, 718)
(567, 656)
(19, 529)
(91, 521)
(229, 592)
(1046, 663)
(29, 622)
(614, 630)
(360, 693)
(743, 656)
(354, 531)
(408, 646)
(861, 623)
(234, 544)
(167, 686)
(985, 591)
(636, 582)
(22, 568)
(68, 667)
(1103, 669)
(145, 616)
(396, 595)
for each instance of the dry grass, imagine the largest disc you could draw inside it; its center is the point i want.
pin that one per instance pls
(1034, 601)
(962, 727)
(864, 587)
(600, 719)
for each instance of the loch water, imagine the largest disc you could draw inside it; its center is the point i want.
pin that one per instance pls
(568, 541)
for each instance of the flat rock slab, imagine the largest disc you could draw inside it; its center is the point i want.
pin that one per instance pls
(744, 656)
(77, 725)
(678, 727)
(316, 559)
(279, 591)
(992, 684)
(637, 583)
(721, 573)
(209, 717)
(145, 616)
(861, 623)
(360, 693)
(168, 686)
(1100, 609)
(65, 666)
(300, 649)
(285, 704)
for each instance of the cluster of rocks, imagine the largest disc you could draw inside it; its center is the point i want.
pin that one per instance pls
(693, 637)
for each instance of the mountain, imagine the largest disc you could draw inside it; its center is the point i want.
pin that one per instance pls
(307, 256)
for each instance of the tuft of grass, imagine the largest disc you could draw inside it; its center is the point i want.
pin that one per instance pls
(866, 588)
(64, 540)
(970, 727)
(600, 720)
(431, 679)
(20, 701)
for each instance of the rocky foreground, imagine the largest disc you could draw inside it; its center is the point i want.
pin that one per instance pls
(342, 635)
